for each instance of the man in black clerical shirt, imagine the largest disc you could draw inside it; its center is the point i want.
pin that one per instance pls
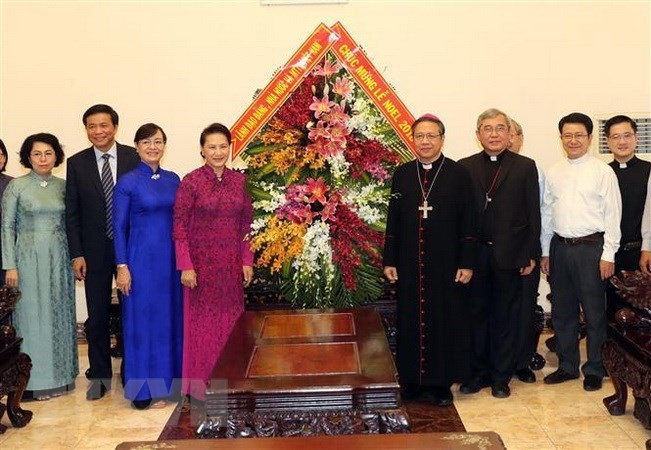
(429, 254)
(505, 187)
(632, 176)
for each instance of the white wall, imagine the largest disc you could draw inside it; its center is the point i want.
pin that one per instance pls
(185, 64)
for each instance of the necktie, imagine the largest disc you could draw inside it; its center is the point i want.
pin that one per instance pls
(107, 187)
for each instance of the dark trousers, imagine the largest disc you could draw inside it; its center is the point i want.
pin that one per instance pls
(624, 260)
(576, 282)
(99, 287)
(525, 328)
(494, 314)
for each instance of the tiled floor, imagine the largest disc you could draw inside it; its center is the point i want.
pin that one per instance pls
(536, 416)
(563, 416)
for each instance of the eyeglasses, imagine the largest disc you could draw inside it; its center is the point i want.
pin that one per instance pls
(420, 137)
(625, 136)
(38, 154)
(155, 143)
(488, 129)
(571, 136)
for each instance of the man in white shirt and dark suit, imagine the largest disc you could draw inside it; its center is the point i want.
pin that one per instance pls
(91, 176)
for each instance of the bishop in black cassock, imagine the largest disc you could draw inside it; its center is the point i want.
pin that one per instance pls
(429, 252)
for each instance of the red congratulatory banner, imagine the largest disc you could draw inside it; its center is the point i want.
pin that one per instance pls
(281, 86)
(367, 76)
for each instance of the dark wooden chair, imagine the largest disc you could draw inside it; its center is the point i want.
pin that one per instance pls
(627, 351)
(15, 366)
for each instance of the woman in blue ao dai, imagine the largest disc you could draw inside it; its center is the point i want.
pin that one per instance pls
(152, 310)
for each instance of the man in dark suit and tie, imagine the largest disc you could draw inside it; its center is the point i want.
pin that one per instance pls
(505, 187)
(91, 177)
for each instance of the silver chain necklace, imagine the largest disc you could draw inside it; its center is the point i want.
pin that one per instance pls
(424, 208)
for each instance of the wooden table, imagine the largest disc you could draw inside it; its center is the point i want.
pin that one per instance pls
(303, 373)
(627, 358)
(415, 441)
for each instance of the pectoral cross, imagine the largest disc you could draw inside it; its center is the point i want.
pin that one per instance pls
(424, 209)
(488, 200)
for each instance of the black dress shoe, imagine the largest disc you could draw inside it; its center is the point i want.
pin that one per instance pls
(410, 392)
(474, 386)
(537, 362)
(117, 351)
(500, 389)
(437, 395)
(96, 390)
(442, 396)
(141, 404)
(592, 383)
(526, 375)
(560, 376)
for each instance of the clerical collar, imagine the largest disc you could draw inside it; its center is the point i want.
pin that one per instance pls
(434, 164)
(429, 165)
(623, 165)
(494, 158)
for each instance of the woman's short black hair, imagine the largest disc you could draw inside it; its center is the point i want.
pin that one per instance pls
(3, 149)
(215, 128)
(45, 138)
(148, 130)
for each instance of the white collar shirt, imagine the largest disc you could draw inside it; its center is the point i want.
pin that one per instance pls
(581, 197)
(113, 161)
